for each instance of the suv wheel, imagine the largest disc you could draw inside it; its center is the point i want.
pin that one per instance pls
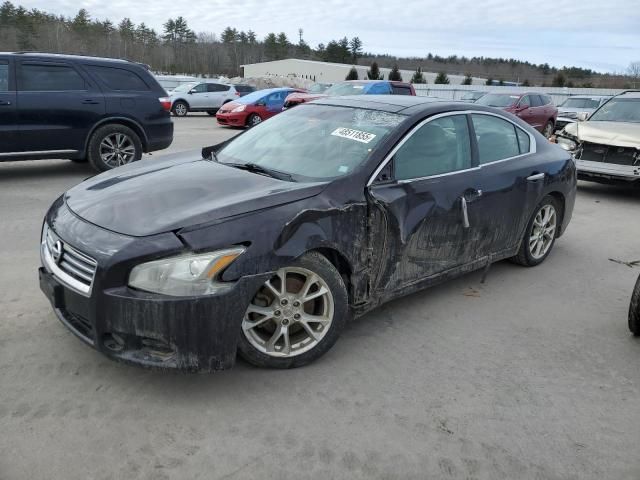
(113, 145)
(180, 108)
(548, 129)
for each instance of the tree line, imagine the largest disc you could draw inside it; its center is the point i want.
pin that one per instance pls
(179, 49)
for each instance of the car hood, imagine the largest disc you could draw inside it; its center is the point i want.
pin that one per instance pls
(227, 107)
(151, 196)
(618, 134)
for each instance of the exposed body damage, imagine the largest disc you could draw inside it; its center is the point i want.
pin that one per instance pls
(607, 150)
(386, 238)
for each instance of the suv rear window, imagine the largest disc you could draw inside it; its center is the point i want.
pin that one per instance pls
(119, 78)
(400, 90)
(34, 77)
(217, 87)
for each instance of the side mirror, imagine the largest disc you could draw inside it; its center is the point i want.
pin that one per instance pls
(521, 108)
(261, 103)
(190, 92)
(582, 116)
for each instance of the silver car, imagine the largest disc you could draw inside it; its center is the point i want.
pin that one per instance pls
(204, 96)
(578, 106)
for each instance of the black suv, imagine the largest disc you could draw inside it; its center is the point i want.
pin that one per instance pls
(102, 110)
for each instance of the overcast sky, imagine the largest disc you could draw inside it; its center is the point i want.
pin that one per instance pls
(604, 36)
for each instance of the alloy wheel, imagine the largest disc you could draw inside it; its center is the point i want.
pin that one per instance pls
(548, 130)
(254, 120)
(117, 149)
(543, 231)
(290, 314)
(180, 109)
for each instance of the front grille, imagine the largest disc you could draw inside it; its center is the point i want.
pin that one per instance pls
(594, 152)
(75, 264)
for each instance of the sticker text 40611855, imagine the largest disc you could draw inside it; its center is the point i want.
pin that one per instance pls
(357, 135)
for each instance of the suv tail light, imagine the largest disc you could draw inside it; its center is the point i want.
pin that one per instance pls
(166, 103)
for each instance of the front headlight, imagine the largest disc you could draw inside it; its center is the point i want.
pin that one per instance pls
(184, 275)
(239, 109)
(567, 144)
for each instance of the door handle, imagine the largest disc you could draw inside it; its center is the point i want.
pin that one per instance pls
(90, 102)
(4, 103)
(535, 177)
(465, 213)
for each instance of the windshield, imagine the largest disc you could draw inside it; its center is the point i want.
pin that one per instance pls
(580, 103)
(318, 88)
(347, 88)
(497, 100)
(618, 110)
(185, 87)
(312, 142)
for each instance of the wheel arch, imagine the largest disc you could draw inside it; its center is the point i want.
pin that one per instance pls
(180, 100)
(341, 264)
(127, 122)
(560, 198)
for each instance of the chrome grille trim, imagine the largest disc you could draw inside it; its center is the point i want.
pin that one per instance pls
(74, 269)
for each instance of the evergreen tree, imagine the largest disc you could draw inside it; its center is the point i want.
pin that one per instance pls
(489, 81)
(394, 74)
(468, 80)
(374, 72)
(352, 75)
(442, 79)
(559, 80)
(355, 45)
(526, 83)
(418, 77)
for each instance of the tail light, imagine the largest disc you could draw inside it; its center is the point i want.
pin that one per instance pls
(237, 93)
(166, 103)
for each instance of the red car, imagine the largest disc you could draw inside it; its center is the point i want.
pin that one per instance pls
(353, 87)
(253, 108)
(536, 109)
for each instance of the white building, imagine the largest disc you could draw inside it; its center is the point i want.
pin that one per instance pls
(332, 72)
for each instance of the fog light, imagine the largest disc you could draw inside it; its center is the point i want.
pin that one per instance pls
(113, 342)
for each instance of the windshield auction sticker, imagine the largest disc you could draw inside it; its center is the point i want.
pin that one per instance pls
(357, 135)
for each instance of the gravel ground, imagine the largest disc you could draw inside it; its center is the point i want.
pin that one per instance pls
(532, 374)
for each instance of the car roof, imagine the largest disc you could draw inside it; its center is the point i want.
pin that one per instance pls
(65, 56)
(386, 103)
(589, 96)
(630, 94)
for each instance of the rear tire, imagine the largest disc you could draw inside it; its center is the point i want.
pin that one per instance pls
(634, 310)
(292, 326)
(180, 108)
(540, 234)
(548, 129)
(211, 112)
(113, 145)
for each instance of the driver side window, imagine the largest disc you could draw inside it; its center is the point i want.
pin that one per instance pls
(440, 146)
(201, 88)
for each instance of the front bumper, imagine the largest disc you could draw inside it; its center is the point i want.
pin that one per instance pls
(588, 170)
(238, 119)
(151, 330)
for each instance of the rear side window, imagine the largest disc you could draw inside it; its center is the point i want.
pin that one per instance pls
(400, 90)
(536, 101)
(245, 88)
(4, 76)
(217, 87)
(440, 146)
(524, 142)
(496, 138)
(379, 89)
(119, 78)
(49, 78)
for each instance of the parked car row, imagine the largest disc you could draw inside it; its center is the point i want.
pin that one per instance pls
(205, 96)
(536, 109)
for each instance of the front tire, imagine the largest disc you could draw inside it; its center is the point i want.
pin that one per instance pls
(548, 129)
(253, 120)
(634, 310)
(112, 146)
(180, 109)
(540, 234)
(296, 316)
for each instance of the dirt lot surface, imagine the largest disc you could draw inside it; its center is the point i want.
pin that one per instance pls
(530, 375)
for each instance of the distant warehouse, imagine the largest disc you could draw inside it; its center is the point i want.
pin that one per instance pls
(331, 72)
